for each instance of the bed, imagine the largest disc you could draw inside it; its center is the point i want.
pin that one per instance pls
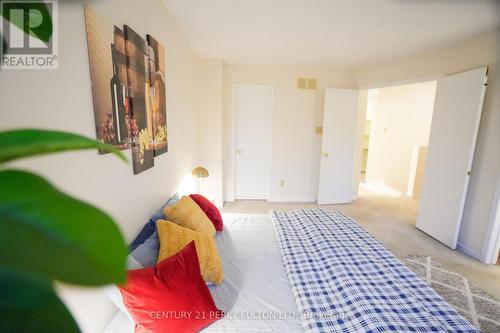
(313, 270)
(255, 282)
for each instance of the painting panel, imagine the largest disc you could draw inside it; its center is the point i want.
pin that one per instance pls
(107, 88)
(157, 95)
(139, 100)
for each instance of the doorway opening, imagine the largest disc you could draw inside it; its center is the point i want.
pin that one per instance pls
(395, 139)
(401, 127)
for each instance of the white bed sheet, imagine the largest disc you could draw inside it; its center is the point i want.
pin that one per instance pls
(255, 283)
(255, 293)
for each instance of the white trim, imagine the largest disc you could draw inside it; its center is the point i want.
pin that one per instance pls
(491, 245)
(400, 83)
(358, 145)
(467, 250)
(295, 200)
(232, 198)
(233, 152)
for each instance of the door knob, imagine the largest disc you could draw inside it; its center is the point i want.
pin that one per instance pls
(238, 151)
(324, 154)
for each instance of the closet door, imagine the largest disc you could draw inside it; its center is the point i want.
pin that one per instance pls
(338, 146)
(455, 123)
(253, 139)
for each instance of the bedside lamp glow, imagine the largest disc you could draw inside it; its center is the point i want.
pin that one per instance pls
(200, 172)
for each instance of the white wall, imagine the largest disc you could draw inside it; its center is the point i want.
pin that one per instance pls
(210, 100)
(401, 120)
(416, 177)
(62, 99)
(296, 147)
(472, 53)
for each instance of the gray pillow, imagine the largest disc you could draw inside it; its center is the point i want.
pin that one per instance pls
(159, 215)
(150, 226)
(147, 253)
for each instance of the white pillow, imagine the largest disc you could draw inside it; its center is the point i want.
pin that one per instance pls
(120, 323)
(114, 293)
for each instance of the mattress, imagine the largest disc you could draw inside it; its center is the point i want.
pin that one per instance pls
(255, 293)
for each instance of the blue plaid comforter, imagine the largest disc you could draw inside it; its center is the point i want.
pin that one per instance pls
(346, 281)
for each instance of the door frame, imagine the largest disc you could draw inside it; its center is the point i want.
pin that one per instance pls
(234, 136)
(491, 245)
(389, 84)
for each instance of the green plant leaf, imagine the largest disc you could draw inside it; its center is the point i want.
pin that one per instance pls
(46, 233)
(29, 142)
(42, 28)
(5, 48)
(30, 305)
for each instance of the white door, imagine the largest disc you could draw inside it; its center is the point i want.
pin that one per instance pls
(455, 123)
(253, 106)
(338, 148)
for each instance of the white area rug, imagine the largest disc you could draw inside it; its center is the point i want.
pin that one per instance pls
(480, 308)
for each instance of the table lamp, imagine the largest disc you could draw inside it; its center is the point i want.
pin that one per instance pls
(200, 172)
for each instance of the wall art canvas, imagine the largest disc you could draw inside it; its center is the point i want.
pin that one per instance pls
(138, 80)
(109, 88)
(128, 89)
(157, 94)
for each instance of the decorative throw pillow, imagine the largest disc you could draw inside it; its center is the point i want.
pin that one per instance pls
(146, 232)
(186, 213)
(170, 297)
(147, 253)
(173, 238)
(150, 226)
(209, 209)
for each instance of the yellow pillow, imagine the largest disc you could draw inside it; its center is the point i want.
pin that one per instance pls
(187, 213)
(174, 238)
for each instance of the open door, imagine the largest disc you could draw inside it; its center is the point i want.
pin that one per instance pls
(338, 147)
(455, 123)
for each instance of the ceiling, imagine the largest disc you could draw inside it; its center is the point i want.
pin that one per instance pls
(342, 33)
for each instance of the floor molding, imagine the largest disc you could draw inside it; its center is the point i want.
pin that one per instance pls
(467, 250)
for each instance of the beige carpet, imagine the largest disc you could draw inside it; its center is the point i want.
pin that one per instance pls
(480, 308)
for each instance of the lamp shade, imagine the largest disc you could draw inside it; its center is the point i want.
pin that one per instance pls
(200, 172)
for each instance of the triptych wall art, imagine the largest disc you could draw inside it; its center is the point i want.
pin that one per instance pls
(128, 89)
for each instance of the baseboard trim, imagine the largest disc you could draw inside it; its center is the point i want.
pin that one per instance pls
(470, 252)
(293, 200)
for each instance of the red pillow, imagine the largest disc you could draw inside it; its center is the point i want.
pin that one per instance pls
(171, 296)
(210, 210)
